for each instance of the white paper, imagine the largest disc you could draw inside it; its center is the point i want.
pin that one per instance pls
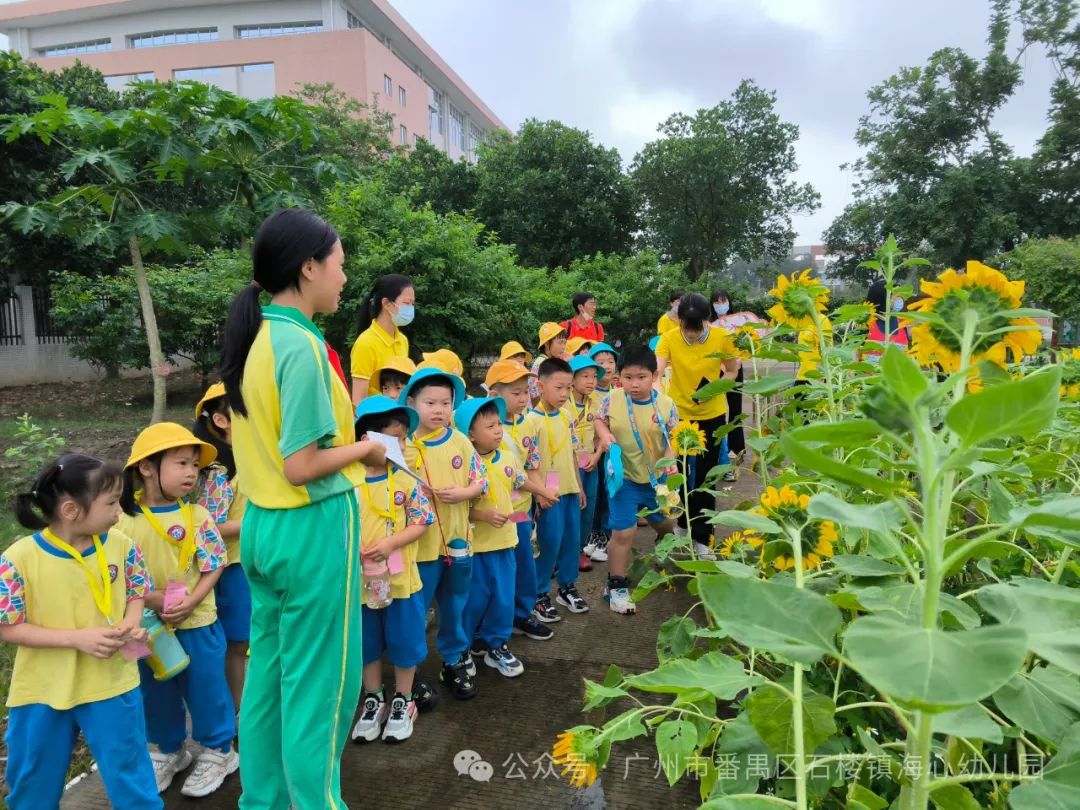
(393, 453)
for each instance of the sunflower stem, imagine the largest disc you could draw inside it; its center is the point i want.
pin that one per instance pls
(797, 690)
(819, 328)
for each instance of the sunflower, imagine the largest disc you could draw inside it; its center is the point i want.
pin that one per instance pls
(746, 339)
(571, 751)
(667, 499)
(1070, 373)
(737, 541)
(797, 299)
(688, 439)
(818, 536)
(991, 295)
(773, 500)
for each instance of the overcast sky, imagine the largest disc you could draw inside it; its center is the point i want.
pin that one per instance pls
(619, 67)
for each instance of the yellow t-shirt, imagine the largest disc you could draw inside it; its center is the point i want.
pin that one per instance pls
(505, 475)
(236, 512)
(162, 554)
(523, 440)
(410, 508)
(447, 460)
(665, 324)
(371, 351)
(558, 447)
(692, 367)
(651, 416)
(583, 416)
(43, 586)
(294, 398)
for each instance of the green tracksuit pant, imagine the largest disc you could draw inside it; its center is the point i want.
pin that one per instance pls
(304, 676)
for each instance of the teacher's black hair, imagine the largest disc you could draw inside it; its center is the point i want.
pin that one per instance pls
(389, 287)
(694, 311)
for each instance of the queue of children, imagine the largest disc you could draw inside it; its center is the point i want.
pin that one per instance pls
(157, 614)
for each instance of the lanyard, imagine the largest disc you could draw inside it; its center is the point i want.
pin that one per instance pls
(637, 434)
(434, 499)
(555, 450)
(187, 544)
(100, 587)
(583, 418)
(496, 474)
(388, 513)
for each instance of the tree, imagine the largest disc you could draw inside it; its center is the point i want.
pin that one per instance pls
(718, 183)
(178, 167)
(353, 132)
(554, 194)
(1050, 269)
(427, 176)
(935, 171)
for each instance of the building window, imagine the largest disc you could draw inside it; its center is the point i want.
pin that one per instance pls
(401, 95)
(278, 29)
(435, 118)
(257, 67)
(148, 76)
(404, 132)
(353, 20)
(476, 137)
(388, 86)
(457, 128)
(197, 73)
(156, 39)
(90, 46)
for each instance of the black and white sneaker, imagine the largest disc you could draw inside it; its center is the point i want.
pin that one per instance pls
(424, 696)
(570, 599)
(372, 717)
(504, 661)
(531, 628)
(544, 611)
(399, 725)
(457, 678)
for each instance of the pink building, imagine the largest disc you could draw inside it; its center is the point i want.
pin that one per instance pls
(259, 48)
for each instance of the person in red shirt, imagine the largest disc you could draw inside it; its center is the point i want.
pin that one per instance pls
(584, 323)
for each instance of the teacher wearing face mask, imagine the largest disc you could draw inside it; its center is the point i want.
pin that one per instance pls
(584, 323)
(390, 305)
(884, 326)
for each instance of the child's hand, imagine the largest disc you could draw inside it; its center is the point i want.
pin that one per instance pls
(582, 500)
(179, 612)
(373, 452)
(495, 518)
(379, 552)
(155, 600)
(544, 501)
(451, 494)
(131, 629)
(100, 642)
(594, 459)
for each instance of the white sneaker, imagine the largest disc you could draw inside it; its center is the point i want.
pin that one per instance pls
(211, 769)
(618, 600)
(703, 552)
(590, 545)
(599, 552)
(370, 725)
(399, 726)
(504, 661)
(166, 766)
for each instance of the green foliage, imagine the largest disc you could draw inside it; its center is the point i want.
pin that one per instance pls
(1050, 270)
(554, 194)
(351, 132)
(718, 183)
(427, 176)
(192, 301)
(32, 447)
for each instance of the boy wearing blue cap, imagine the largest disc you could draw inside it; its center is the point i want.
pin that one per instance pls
(597, 542)
(447, 461)
(489, 612)
(393, 515)
(581, 409)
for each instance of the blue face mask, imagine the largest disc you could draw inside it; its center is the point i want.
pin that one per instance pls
(405, 314)
(898, 305)
(721, 309)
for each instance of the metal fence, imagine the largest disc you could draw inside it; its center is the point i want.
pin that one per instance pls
(11, 326)
(46, 329)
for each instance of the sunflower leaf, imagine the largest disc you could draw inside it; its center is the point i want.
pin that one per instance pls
(1020, 408)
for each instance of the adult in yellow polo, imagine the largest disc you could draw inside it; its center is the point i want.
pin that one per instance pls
(697, 354)
(391, 305)
(294, 445)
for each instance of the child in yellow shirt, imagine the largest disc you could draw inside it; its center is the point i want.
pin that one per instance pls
(185, 556)
(581, 408)
(393, 515)
(393, 375)
(489, 611)
(71, 600)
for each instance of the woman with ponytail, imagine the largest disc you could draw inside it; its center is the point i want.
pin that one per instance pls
(391, 304)
(292, 433)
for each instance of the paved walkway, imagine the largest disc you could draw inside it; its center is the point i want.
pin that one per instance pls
(511, 724)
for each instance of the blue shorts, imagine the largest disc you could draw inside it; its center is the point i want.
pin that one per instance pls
(233, 596)
(397, 630)
(628, 501)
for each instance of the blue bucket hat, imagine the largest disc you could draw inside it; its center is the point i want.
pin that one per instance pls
(654, 342)
(613, 470)
(466, 412)
(580, 363)
(427, 373)
(369, 406)
(600, 348)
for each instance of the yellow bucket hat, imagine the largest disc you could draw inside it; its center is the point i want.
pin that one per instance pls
(506, 371)
(215, 391)
(574, 344)
(548, 331)
(402, 364)
(444, 360)
(513, 347)
(167, 436)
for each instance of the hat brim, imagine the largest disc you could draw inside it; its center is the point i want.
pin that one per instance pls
(457, 384)
(207, 452)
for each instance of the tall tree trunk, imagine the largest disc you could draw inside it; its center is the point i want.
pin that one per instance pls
(153, 339)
